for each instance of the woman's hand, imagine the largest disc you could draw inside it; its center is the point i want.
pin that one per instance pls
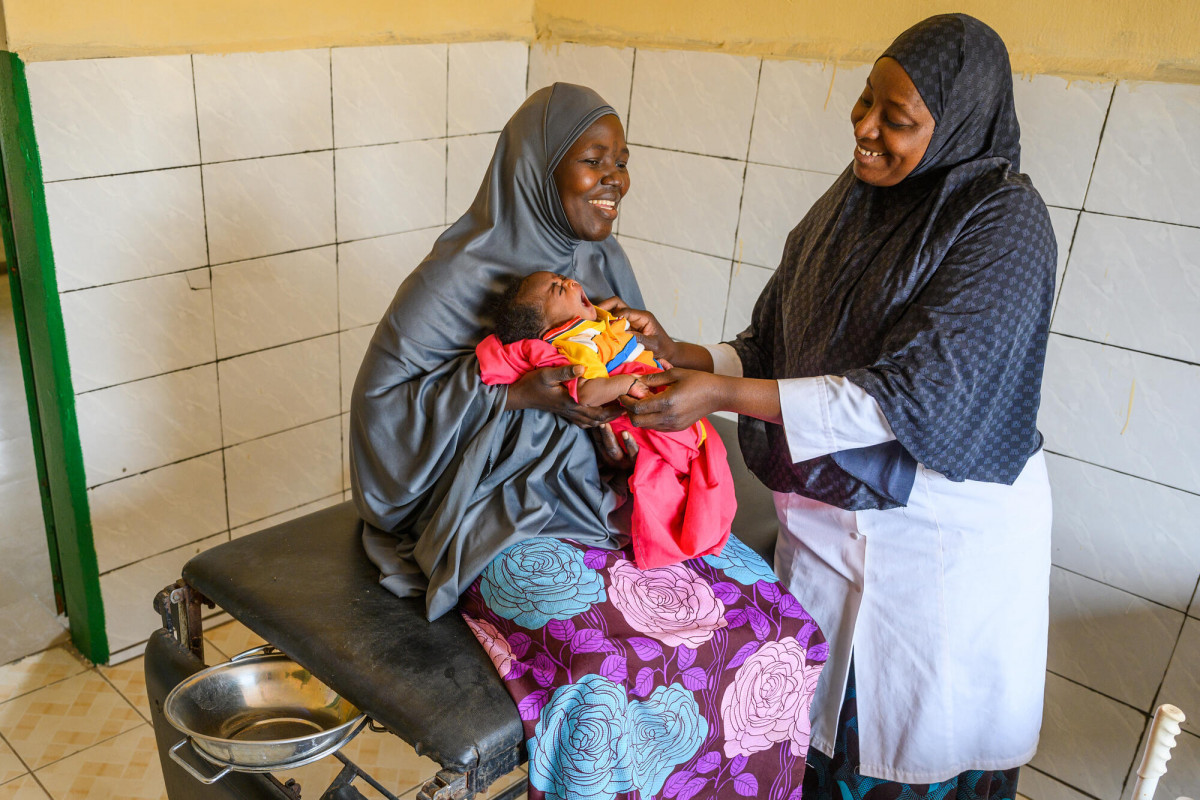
(543, 389)
(649, 332)
(688, 395)
(613, 453)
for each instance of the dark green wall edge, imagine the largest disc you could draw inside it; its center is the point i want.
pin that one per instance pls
(48, 375)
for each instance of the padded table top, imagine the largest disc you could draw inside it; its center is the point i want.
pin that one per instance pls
(307, 587)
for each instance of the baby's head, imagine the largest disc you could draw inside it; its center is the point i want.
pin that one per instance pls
(541, 301)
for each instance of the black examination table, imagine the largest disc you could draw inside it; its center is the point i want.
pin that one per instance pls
(307, 588)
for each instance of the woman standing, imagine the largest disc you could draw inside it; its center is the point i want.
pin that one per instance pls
(888, 387)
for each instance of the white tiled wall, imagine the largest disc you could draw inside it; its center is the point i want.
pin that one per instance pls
(228, 229)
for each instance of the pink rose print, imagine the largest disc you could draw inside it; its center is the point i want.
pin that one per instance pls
(768, 700)
(494, 644)
(671, 604)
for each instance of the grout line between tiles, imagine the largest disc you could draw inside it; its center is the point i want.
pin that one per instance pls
(1121, 472)
(1121, 589)
(1083, 685)
(1123, 347)
(337, 291)
(132, 704)
(674, 247)
(1060, 780)
(211, 299)
(210, 452)
(735, 266)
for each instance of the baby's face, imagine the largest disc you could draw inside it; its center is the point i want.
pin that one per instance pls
(562, 299)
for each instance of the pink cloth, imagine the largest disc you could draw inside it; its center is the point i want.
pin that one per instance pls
(683, 501)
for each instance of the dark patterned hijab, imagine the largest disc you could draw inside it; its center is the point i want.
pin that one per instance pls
(933, 295)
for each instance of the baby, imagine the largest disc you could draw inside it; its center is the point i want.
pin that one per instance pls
(555, 309)
(683, 502)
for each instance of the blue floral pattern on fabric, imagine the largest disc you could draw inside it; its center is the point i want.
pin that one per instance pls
(742, 564)
(580, 750)
(667, 729)
(538, 580)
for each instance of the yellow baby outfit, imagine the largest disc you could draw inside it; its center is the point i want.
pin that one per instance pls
(600, 346)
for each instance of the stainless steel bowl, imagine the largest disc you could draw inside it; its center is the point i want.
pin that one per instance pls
(260, 710)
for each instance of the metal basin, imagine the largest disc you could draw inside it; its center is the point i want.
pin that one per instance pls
(260, 710)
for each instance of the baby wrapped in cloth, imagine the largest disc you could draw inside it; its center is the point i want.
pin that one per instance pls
(683, 500)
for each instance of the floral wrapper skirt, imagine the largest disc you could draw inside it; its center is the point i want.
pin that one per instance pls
(687, 681)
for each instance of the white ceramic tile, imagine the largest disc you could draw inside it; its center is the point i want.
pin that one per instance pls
(1109, 640)
(370, 271)
(1135, 284)
(1087, 740)
(775, 201)
(272, 301)
(165, 508)
(126, 331)
(683, 200)
(1148, 162)
(123, 227)
(23, 788)
(353, 346)
(273, 390)
(286, 516)
(800, 121)
(607, 70)
(268, 205)
(108, 115)
(270, 475)
(128, 592)
(693, 101)
(1063, 220)
(1127, 532)
(263, 104)
(1060, 131)
(685, 291)
(1128, 411)
(387, 94)
(390, 188)
(1182, 685)
(1183, 770)
(487, 84)
(467, 161)
(138, 426)
(745, 286)
(1035, 785)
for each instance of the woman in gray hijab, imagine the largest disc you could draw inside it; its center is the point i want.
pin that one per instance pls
(442, 477)
(696, 677)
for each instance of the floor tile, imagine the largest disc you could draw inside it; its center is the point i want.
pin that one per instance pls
(62, 719)
(389, 760)
(123, 768)
(129, 679)
(10, 766)
(22, 789)
(229, 640)
(38, 670)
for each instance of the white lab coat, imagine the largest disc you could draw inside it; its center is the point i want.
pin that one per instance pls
(944, 602)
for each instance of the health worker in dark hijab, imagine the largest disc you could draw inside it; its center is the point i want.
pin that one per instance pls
(888, 387)
(442, 477)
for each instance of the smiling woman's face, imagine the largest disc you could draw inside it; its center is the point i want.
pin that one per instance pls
(592, 178)
(892, 126)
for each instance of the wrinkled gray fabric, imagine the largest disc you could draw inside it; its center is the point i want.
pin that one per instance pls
(443, 477)
(933, 295)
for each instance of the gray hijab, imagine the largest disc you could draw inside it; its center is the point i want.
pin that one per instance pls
(443, 477)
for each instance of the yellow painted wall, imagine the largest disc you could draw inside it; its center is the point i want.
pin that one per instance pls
(1150, 39)
(1139, 39)
(40, 30)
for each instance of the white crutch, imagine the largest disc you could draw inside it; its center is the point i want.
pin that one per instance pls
(1163, 731)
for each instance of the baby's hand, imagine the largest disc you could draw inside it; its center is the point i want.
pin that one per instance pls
(639, 390)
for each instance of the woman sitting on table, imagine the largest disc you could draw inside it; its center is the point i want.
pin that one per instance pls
(691, 678)
(889, 385)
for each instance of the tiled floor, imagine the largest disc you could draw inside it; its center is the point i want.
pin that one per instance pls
(28, 622)
(69, 730)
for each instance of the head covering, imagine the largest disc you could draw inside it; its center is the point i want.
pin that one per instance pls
(933, 295)
(443, 477)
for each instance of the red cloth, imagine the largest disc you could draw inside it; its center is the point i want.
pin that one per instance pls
(683, 501)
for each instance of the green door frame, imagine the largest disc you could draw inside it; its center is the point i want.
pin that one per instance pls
(43, 344)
